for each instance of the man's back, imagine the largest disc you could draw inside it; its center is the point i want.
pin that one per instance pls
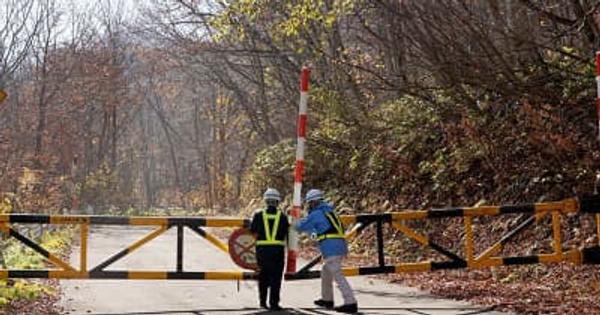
(257, 226)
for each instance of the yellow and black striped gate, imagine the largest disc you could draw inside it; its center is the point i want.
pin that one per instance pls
(399, 221)
(162, 224)
(530, 214)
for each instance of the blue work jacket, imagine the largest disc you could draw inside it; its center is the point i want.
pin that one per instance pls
(316, 222)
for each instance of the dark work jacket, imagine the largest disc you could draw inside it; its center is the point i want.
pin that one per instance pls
(257, 227)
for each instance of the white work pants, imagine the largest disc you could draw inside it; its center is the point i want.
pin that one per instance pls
(332, 270)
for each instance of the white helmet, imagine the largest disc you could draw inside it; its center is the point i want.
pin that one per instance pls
(314, 195)
(271, 194)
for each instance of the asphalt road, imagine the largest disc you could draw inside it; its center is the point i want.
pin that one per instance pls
(192, 297)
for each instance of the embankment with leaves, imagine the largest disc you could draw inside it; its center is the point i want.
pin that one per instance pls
(413, 154)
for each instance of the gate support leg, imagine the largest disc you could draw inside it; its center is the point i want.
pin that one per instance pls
(380, 243)
(180, 248)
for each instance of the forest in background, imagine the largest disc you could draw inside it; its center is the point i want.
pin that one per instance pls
(128, 106)
(193, 104)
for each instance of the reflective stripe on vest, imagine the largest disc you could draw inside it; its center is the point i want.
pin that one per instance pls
(270, 235)
(336, 225)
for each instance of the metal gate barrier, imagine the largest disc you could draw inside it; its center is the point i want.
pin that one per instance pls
(530, 213)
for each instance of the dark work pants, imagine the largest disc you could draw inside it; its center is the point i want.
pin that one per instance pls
(270, 263)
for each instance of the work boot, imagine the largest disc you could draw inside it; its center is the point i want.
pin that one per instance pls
(275, 307)
(326, 304)
(264, 305)
(347, 308)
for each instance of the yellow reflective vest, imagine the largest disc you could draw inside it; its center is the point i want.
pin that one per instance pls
(270, 231)
(336, 230)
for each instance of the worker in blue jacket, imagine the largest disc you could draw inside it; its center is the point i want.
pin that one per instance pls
(323, 221)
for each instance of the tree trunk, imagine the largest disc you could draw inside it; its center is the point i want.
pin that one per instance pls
(113, 157)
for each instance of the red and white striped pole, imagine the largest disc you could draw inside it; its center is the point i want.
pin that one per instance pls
(598, 88)
(298, 172)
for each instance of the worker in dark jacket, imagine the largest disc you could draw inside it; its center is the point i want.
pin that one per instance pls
(323, 221)
(270, 227)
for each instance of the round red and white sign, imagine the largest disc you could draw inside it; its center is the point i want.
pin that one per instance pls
(242, 249)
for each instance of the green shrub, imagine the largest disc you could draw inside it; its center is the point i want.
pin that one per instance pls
(17, 256)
